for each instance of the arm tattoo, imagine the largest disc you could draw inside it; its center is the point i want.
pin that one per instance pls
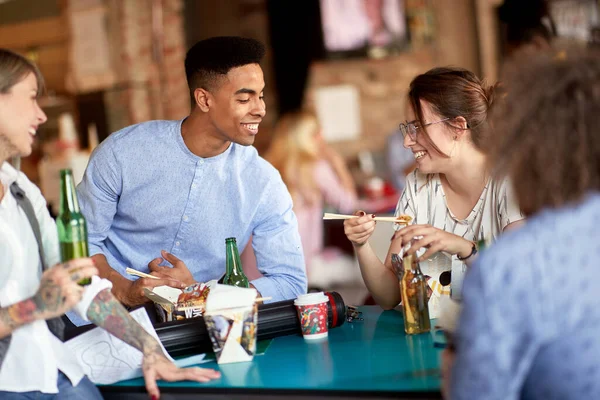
(106, 312)
(49, 297)
(18, 314)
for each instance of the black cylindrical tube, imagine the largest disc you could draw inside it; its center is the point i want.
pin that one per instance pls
(186, 337)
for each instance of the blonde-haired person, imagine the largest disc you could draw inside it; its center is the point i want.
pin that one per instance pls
(33, 360)
(315, 175)
(451, 196)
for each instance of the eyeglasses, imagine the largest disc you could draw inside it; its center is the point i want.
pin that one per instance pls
(410, 128)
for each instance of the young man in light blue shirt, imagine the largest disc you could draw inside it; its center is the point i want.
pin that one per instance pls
(186, 186)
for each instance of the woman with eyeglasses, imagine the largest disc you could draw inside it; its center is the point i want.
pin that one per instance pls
(451, 197)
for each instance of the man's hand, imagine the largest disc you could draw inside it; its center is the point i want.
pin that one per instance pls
(131, 293)
(156, 366)
(178, 271)
(59, 291)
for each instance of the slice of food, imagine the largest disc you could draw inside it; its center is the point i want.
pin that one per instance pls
(403, 219)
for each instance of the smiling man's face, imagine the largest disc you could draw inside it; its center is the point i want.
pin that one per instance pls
(238, 106)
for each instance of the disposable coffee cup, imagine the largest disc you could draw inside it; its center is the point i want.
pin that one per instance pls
(312, 313)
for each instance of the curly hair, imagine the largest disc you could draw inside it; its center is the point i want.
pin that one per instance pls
(212, 58)
(546, 131)
(453, 92)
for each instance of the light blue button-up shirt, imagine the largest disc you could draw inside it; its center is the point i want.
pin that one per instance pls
(530, 325)
(144, 191)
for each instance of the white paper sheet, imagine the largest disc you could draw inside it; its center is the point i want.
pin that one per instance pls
(106, 359)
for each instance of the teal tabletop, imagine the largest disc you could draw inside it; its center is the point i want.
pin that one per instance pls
(371, 356)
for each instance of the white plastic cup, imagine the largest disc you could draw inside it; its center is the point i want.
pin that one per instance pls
(313, 315)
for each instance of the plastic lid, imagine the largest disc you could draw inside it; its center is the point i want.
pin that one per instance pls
(311, 298)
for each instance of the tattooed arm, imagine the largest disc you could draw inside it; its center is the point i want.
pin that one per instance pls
(106, 312)
(57, 294)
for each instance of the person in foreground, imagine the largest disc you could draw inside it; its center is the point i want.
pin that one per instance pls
(33, 361)
(451, 196)
(185, 186)
(530, 320)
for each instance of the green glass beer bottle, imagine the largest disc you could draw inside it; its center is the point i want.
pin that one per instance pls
(71, 225)
(234, 275)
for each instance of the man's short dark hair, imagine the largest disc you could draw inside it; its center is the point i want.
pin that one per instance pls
(210, 59)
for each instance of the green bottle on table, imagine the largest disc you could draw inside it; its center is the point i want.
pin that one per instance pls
(71, 225)
(234, 274)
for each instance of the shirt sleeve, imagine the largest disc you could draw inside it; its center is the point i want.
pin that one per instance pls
(89, 294)
(276, 243)
(406, 205)
(508, 208)
(98, 195)
(333, 192)
(496, 340)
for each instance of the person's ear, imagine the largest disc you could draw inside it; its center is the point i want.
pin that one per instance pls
(203, 99)
(460, 126)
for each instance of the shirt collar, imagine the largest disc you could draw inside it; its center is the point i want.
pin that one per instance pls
(194, 157)
(8, 174)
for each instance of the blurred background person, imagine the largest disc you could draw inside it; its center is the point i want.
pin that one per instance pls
(451, 196)
(400, 161)
(527, 26)
(530, 321)
(316, 176)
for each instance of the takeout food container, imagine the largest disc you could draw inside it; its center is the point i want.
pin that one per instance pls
(173, 304)
(231, 319)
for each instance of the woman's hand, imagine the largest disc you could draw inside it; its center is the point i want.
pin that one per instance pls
(434, 240)
(59, 291)
(359, 230)
(156, 366)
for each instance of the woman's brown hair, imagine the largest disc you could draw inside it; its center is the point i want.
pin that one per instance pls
(14, 68)
(547, 131)
(451, 93)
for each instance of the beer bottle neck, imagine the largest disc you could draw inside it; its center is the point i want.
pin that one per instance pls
(68, 196)
(233, 258)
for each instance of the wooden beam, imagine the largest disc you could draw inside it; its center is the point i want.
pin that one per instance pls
(34, 33)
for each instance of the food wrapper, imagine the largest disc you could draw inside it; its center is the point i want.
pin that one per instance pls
(231, 319)
(175, 304)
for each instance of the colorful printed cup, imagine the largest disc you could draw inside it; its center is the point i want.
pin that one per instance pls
(312, 313)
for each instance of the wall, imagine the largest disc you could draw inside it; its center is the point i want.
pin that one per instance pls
(148, 57)
(383, 84)
(41, 33)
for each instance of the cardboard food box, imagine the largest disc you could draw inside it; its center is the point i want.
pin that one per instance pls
(231, 319)
(175, 304)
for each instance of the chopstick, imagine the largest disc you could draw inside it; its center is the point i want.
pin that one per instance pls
(132, 271)
(343, 216)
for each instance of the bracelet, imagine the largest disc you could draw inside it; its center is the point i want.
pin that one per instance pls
(473, 252)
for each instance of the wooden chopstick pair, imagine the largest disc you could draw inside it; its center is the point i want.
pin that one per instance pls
(383, 219)
(132, 271)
